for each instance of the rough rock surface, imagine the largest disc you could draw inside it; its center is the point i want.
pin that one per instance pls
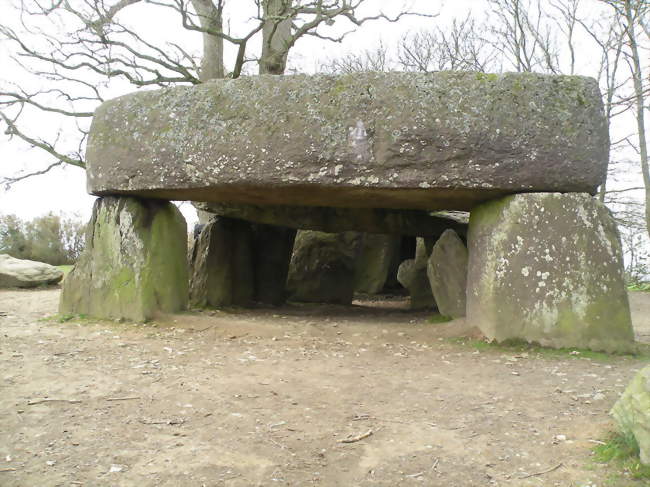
(376, 254)
(446, 140)
(272, 249)
(548, 268)
(416, 223)
(134, 264)
(26, 273)
(447, 272)
(222, 265)
(632, 412)
(322, 268)
(412, 274)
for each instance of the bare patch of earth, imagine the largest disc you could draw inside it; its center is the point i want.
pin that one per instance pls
(368, 395)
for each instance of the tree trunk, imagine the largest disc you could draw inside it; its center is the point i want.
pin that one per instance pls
(211, 19)
(276, 35)
(637, 76)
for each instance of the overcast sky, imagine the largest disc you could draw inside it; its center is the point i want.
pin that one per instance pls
(64, 189)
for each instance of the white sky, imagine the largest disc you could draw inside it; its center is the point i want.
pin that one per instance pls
(64, 189)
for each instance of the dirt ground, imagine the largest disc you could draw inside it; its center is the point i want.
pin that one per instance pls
(298, 396)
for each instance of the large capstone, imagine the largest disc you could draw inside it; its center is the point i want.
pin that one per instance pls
(445, 140)
(222, 265)
(632, 412)
(412, 274)
(27, 273)
(134, 265)
(447, 272)
(548, 268)
(322, 267)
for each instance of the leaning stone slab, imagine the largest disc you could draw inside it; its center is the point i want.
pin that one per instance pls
(322, 268)
(134, 265)
(27, 273)
(376, 254)
(446, 140)
(447, 272)
(632, 412)
(412, 274)
(548, 268)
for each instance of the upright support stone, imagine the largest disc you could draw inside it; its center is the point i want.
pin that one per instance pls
(222, 265)
(412, 274)
(272, 248)
(322, 268)
(548, 268)
(376, 254)
(447, 271)
(134, 265)
(632, 412)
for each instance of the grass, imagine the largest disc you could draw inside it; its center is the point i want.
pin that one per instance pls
(639, 286)
(622, 450)
(520, 346)
(65, 269)
(438, 318)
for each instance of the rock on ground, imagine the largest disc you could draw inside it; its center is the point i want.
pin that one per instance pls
(322, 268)
(445, 140)
(632, 412)
(134, 265)
(412, 274)
(447, 272)
(26, 273)
(548, 268)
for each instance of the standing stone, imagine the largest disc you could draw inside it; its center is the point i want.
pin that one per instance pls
(134, 265)
(322, 268)
(632, 412)
(548, 268)
(27, 273)
(412, 274)
(376, 254)
(272, 248)
(222, 265)
(447, 271)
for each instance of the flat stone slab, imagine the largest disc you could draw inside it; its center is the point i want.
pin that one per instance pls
(444, 140)
(27, 273)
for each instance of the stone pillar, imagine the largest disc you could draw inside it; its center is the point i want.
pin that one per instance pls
(272, 248)
(222, 264)
(134, 265)
(548, 268)
(376, 254)
(412, 274)
(447, 272)
(322, 267)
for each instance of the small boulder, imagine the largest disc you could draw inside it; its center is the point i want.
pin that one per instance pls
(322, 268)
(412, 274)
(632, 412)
(447, 271)
(27, 273)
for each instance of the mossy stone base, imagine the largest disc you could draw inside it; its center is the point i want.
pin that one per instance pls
(548, 268)
(632, 412)
(135, 262)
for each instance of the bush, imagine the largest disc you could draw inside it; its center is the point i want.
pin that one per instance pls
(50, 238)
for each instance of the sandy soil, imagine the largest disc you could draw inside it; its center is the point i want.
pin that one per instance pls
(280, 397)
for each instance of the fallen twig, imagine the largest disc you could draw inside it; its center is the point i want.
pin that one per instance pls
(537, 474)
(354, 439)
(122, 398)
(7, 469)
(39, 401)
(597, 442)
(169, 422)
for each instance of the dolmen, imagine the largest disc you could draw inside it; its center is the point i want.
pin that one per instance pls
(381, 153)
